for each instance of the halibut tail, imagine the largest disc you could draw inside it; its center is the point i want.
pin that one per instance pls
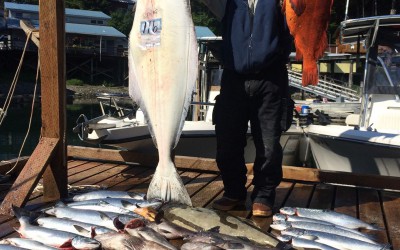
(168, 187)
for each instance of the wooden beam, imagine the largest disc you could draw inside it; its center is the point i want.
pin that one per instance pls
(361, 180)
(6, 166)
(205, 164)
(53, 90)
(27, 27)
(113, 155)
(30, 175)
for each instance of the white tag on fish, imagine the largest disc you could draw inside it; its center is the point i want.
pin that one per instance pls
(150, 33)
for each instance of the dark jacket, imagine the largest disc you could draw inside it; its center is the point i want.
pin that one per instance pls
(252, 42)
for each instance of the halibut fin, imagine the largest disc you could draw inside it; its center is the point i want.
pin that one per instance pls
(168, 188)
(192, 62)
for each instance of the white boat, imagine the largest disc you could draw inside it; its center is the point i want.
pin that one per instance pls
(370, 143)
(127, 132)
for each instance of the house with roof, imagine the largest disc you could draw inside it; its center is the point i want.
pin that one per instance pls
(87, 31)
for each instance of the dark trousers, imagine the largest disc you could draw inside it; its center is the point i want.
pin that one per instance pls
(255, 98)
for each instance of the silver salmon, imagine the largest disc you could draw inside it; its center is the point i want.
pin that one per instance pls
(51, 237)
(130, 204)
(102, 194)
(304, 243)
(163, 66)
(283, 225)
(329, 216)
(87, 216)
(72, 226)
(333, 240)
(10, 247)
(26, 244)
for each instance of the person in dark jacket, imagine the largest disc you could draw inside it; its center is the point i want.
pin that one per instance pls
(255, 49)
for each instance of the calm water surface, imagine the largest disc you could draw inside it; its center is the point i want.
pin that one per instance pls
(15, 125)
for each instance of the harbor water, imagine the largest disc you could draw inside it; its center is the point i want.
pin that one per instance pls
(15, 126)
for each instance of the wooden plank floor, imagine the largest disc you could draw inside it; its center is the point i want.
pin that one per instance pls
(374, 206)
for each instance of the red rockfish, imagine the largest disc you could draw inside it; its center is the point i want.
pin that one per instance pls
(308, 21)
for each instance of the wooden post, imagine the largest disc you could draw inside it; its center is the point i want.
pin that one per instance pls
(52, 63)
(50, 155)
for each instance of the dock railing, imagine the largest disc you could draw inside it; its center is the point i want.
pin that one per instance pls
(324, 88)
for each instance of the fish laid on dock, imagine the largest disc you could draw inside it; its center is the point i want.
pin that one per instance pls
(140, 230)
(72, 226)
(284, 225)
(308, 21)
(336, 241)
(25, 244)
(51, 237)
(223, 241)
(129, 204)
(163, 66)
(86, 216)
(329, 216)
(202, 219)
(304, 243)
(103, 194)
(10, 247)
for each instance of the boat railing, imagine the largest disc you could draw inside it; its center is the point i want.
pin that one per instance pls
(324, 88)
(114, 102)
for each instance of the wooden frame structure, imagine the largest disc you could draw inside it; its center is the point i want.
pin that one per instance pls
(209, 165)
(49, 157)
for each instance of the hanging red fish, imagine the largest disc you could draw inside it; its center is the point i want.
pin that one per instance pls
(308, 21)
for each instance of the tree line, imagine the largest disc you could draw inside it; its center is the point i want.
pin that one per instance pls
(121, 19)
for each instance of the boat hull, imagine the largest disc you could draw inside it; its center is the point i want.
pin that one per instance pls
(197, 140)
(348, 150)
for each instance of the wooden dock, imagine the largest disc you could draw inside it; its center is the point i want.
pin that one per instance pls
(204, 184)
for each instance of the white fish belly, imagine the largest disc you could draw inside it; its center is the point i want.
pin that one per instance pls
(163, 66)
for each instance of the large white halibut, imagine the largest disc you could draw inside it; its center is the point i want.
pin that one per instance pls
(163, 66)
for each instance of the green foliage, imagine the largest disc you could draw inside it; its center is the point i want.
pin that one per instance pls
(23, 1)
(203, 17)
(75, 82)
(122, 20)
(99, 5)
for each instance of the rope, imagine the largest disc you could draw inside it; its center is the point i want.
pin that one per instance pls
(7, 103)
(30, 118)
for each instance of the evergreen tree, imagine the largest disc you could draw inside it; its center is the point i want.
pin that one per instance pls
(203, 17)
(122, 20)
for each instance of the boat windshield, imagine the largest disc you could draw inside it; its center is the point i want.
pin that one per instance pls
(387, 71)
(386, 75)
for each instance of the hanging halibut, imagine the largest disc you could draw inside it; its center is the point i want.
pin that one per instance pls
(163, 66)
(308, 21)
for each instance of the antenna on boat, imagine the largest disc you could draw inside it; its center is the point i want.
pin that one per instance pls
(346, 14)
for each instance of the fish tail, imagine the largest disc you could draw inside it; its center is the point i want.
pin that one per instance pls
(168, 186)
(310, 73)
